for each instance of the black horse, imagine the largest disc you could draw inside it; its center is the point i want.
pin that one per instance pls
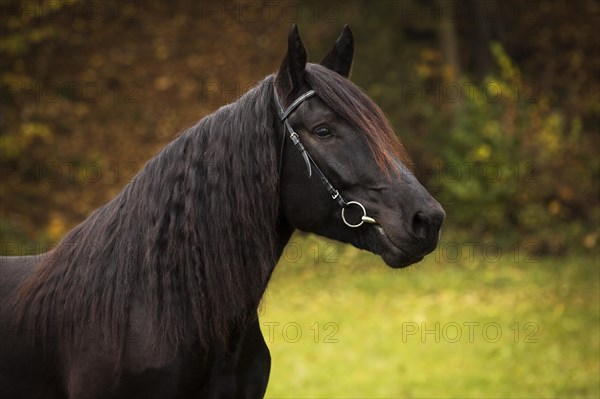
(155, 295)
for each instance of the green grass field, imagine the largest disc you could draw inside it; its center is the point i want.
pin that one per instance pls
(340, 324)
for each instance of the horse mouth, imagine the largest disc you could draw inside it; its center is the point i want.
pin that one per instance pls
(391, 253)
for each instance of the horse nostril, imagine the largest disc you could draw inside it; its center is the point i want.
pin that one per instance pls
(420, 224)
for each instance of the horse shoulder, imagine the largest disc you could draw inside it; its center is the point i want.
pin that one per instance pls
(24, 373)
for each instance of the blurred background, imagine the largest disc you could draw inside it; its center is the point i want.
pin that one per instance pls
(497, 102)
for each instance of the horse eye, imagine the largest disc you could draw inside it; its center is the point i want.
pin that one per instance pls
(322, 131)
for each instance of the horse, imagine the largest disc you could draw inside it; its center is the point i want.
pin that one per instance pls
(155, 294)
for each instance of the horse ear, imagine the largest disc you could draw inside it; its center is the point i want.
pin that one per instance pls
(291, 73)
(339, 59)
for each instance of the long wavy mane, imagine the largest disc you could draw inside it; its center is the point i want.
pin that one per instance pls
(192, 236)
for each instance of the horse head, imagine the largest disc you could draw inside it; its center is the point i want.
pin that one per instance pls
(343, 172)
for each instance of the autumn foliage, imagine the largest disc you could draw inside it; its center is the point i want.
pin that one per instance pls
(497, 102)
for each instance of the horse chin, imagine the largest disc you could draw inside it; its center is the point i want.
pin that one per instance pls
(392, 254)
(399, 262)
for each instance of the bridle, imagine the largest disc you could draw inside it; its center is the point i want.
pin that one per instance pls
(308, 160)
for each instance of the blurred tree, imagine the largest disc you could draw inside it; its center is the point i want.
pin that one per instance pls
(90, 90)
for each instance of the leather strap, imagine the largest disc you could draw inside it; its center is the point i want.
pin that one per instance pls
(308, 160)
